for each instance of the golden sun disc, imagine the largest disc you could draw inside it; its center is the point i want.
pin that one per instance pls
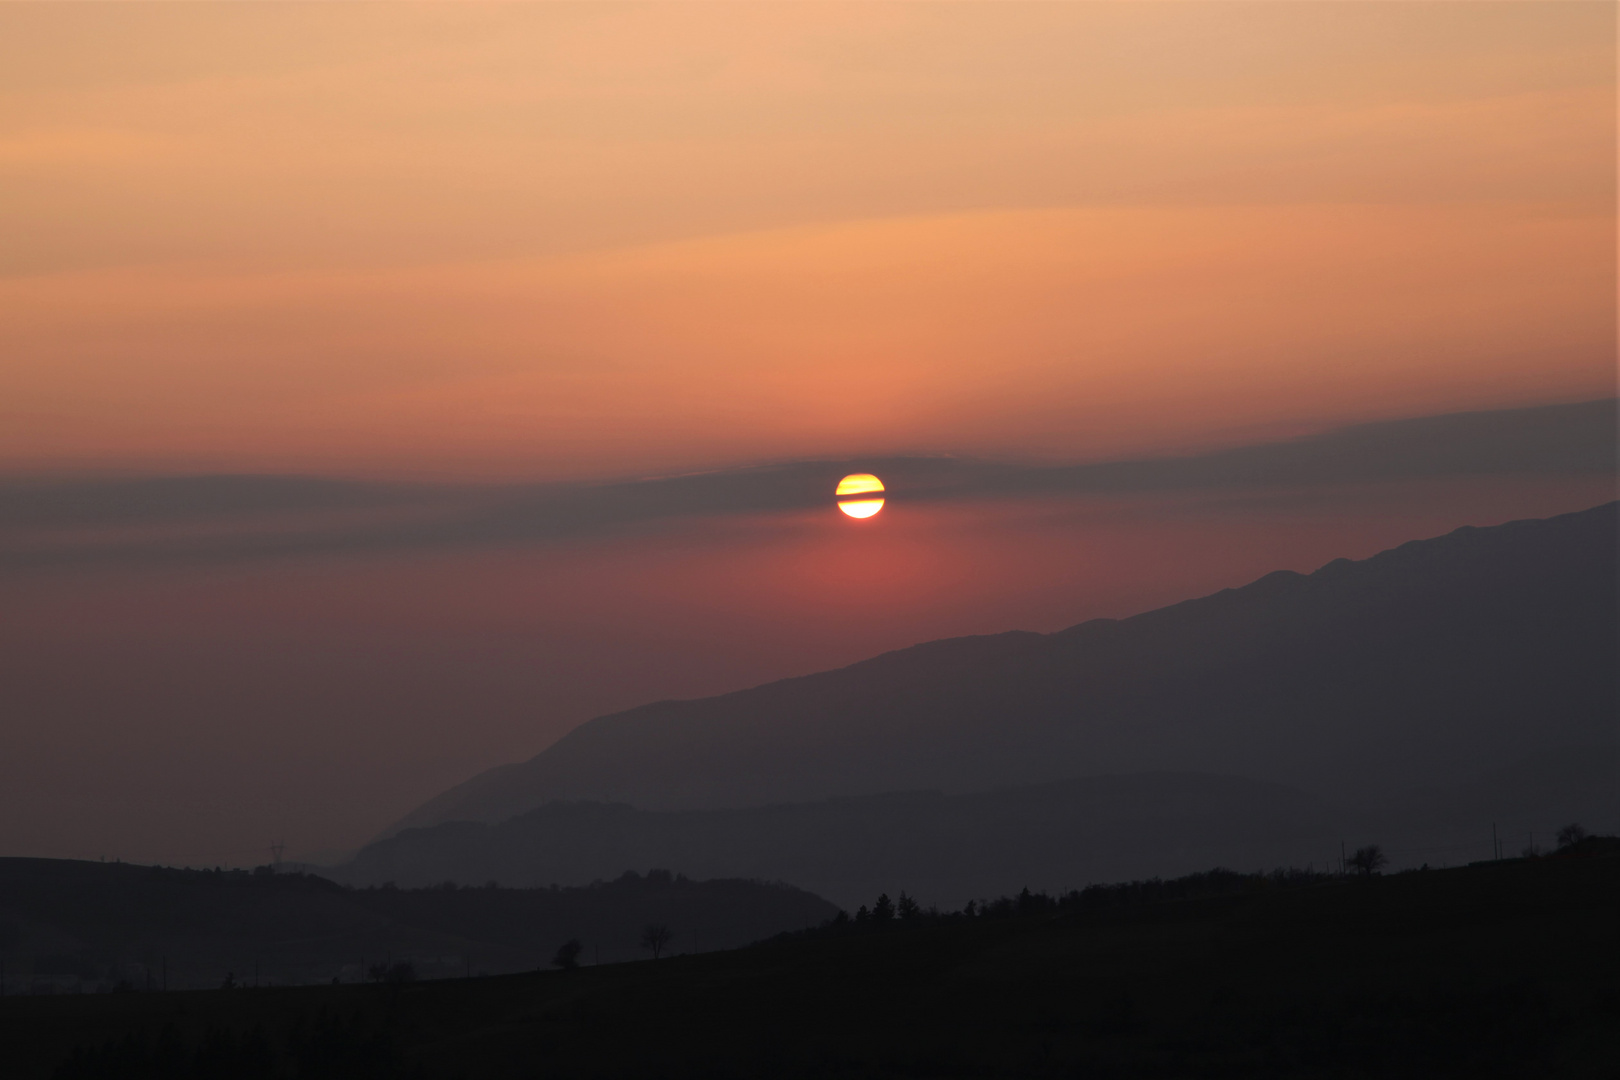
(860, 495)
(861, 508)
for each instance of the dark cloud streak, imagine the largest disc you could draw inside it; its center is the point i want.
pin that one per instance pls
(209, 518)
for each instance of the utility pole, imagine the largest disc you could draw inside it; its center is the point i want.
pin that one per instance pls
(1341, 858)
(275, 856)
(1496, 845)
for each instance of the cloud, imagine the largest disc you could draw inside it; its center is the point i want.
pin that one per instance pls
(46, 522)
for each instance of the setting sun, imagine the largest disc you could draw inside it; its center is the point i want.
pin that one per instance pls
(413, 427)
(860, 495)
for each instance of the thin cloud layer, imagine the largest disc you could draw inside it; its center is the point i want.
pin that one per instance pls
(57, 522)
(513, 242)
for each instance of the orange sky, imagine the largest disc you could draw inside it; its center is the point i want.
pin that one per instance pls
(558, 241)
(471, 242)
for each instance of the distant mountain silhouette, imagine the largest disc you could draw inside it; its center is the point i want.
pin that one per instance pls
(946, 849)
(1426, 667)
(66, 924)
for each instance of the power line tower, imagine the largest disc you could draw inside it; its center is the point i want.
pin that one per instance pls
(275, 856)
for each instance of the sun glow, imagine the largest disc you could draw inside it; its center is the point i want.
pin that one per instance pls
(860, 495)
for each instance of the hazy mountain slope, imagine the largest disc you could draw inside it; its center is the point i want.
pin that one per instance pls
(948, 849)
(1527, 801)
(1425, 666)
(944, 849)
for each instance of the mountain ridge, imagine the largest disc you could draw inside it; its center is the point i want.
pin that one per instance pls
(941, 848)
(1462, 634)
(947, 849)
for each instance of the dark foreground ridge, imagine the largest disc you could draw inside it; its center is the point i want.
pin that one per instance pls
(1497, 969)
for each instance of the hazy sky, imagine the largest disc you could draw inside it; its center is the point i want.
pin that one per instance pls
(548, 244)
(552, 241)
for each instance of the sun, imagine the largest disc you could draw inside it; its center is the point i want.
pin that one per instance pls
(860, 495)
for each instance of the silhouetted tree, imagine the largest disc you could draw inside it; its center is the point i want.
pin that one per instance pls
(1570, 835)
(883, 910)
(861, 914)
(567, 956)
(655, 937)
(907, 909)
(1368, 860)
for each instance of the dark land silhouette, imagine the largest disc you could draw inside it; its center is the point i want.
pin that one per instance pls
(1390, 706)
(68, 926)
(949, 849)
(1500, 969)
(1422, 694)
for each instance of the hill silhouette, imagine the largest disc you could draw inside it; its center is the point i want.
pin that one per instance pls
(945, 849)
(1371, 683)
(67, 925)
(1503, 969)
(949, 849)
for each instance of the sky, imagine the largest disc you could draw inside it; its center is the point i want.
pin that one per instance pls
(470, 280)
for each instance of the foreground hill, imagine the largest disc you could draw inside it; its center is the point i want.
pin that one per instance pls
(1424, 667)
(1497, 970)
(69, 926)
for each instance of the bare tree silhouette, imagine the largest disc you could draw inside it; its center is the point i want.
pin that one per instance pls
(656, 937)
(1368, 860)
(1571, 834)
